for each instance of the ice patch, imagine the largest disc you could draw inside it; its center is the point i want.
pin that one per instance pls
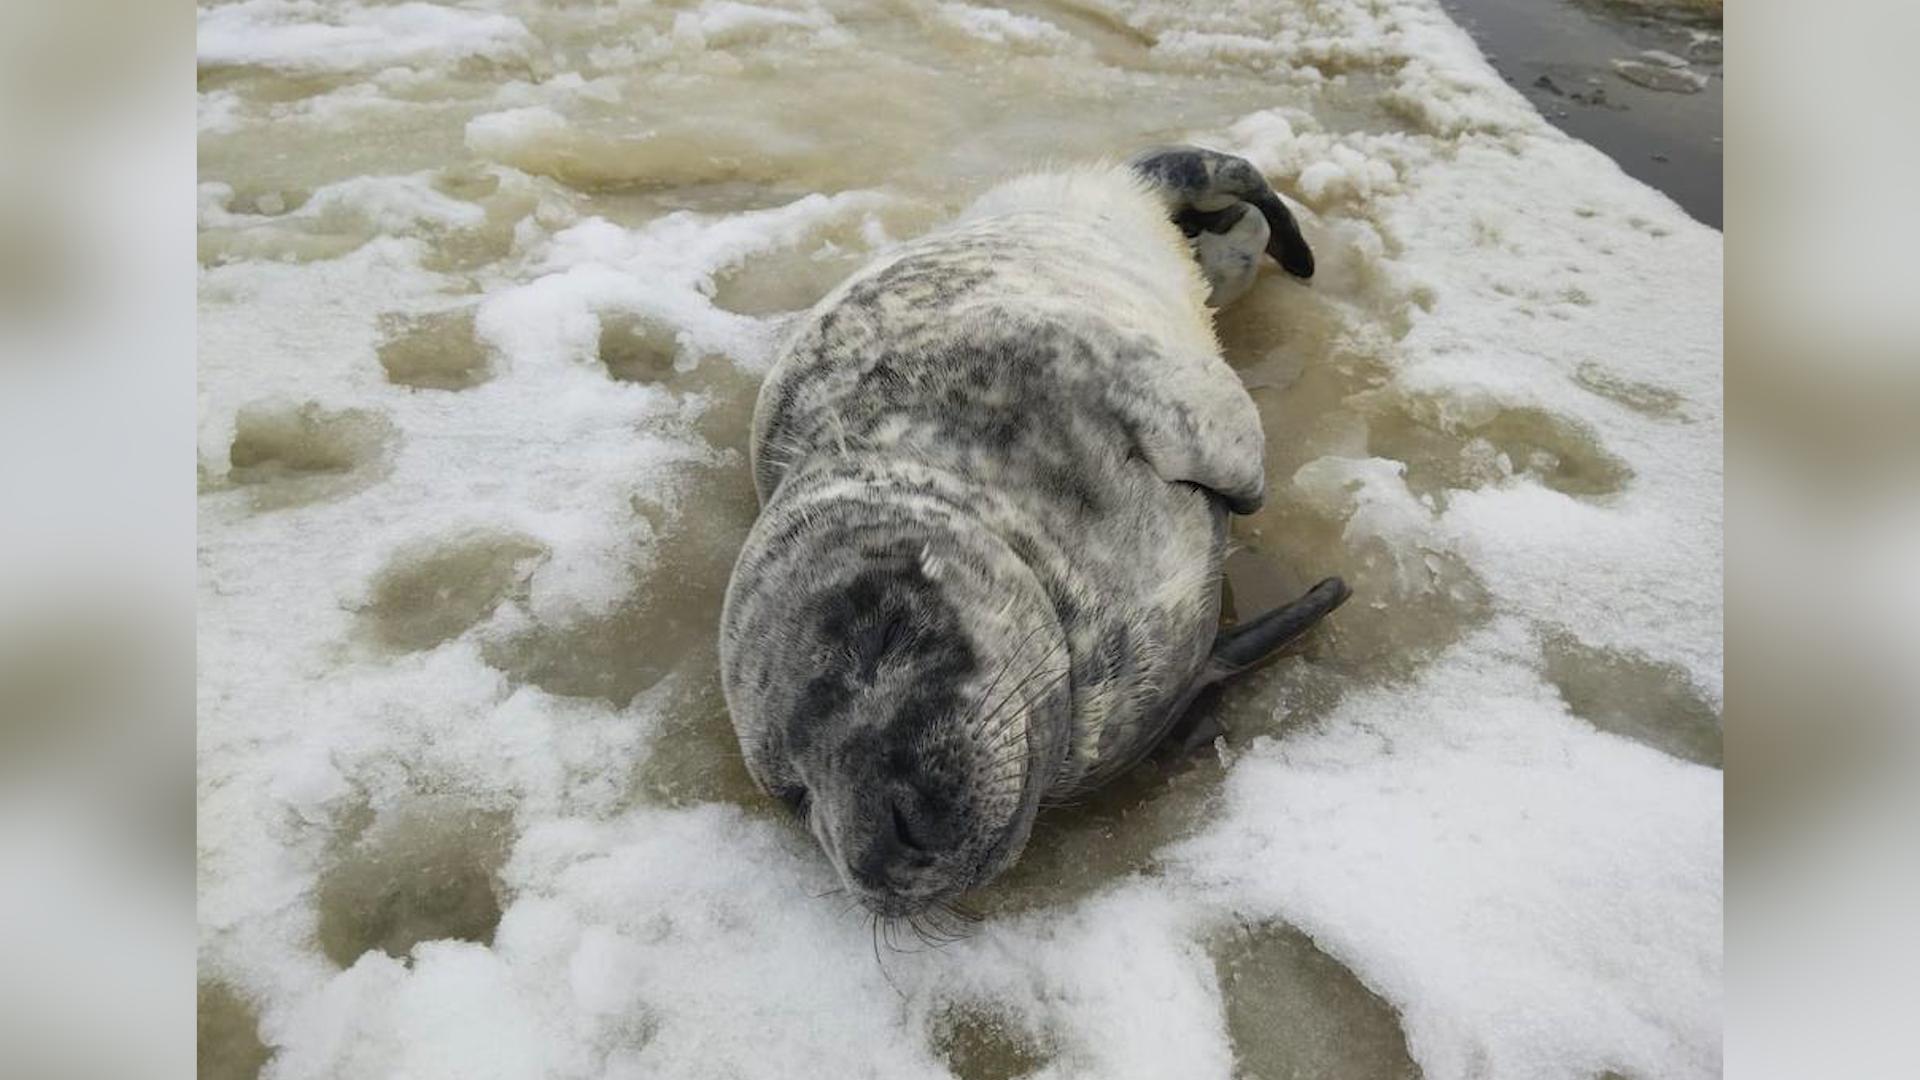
(499, 134)
(1656, 70)
(997, 26)
(311, 36)
(720, 23)
(340, 217)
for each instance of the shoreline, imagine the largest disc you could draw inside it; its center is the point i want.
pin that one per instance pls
(1607, 74)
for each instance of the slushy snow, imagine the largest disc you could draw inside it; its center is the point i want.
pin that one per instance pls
(309, 36)
(472, 461)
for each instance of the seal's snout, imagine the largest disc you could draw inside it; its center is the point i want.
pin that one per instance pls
(891, 855)
(896, 859)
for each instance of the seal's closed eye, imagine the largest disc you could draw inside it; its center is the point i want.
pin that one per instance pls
(873, 641)
(794, 799)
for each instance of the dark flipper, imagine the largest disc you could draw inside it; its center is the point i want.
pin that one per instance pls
(1243, 646)
(1199, 185)
(1286, 245)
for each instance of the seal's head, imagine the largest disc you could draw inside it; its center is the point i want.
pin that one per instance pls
(908, 707)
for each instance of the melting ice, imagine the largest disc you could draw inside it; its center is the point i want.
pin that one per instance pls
(485, 291)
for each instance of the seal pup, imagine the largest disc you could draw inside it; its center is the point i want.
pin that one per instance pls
(995, 468)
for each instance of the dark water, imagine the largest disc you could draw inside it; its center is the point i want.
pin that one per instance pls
(1562, 53)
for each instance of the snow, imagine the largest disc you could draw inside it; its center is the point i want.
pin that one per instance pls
(308, 36)
(1544, 901)
(452, 688)
(719, 23)
(496, 134)
(997, 26)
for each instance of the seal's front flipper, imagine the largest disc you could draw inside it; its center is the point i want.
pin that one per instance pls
(1243, 646)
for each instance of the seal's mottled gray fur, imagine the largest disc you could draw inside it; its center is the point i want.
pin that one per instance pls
(995, 470)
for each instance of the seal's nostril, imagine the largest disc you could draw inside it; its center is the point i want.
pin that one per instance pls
(904, 832)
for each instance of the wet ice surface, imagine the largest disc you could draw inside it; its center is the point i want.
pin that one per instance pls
(485, 294)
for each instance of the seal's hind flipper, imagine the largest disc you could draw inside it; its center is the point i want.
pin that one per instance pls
(1227, 244)
(1198, 184)
(1238, 648)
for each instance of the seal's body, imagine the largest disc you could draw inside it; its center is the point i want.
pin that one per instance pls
(995, 470)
